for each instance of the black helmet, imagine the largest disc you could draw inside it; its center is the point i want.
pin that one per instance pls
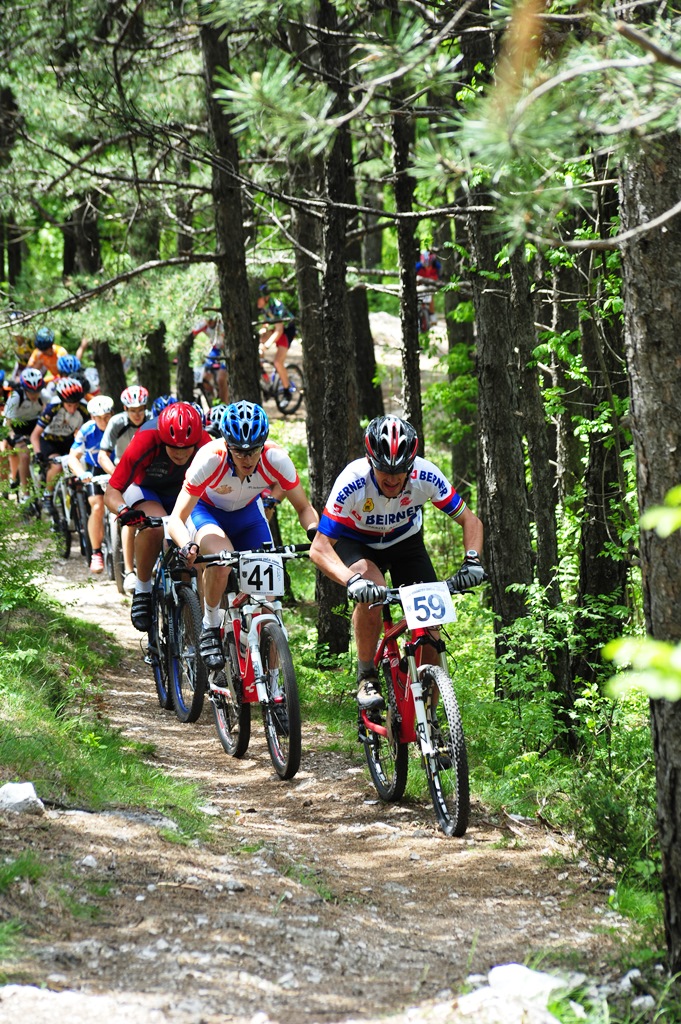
(391, 444)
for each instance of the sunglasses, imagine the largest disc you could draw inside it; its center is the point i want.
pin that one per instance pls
(246, 455)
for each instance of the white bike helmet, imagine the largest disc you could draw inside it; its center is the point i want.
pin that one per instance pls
(100, 405)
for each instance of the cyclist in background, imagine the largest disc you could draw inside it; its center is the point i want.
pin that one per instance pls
(67, 366)
(23, 343)
(429, 269)
(280, 328)
(373, 523)
(214, 359)
(83, 463)
(146, 482)
(55, 429)
(160, 403)
(22, 410)
(45, 354)
(220, 505)
(119, 433)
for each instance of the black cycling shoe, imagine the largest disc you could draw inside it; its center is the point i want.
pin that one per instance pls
(140, 613)
(210, 648)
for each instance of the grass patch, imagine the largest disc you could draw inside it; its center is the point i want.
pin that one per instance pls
(26, 866)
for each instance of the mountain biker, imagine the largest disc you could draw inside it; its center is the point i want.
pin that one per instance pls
(119, 433)
(67, 366)
(23, 343)
(83, 463)
(214, 420)
(280, 329)
(45, 354)
(214, 360)
(220, 505)
(160, 403)
(429, 268)
(22, 409)
(55, 429)
(146, 482)
(372, 523)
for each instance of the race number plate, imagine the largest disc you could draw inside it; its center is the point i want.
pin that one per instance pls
(261, 574)
(427, 604)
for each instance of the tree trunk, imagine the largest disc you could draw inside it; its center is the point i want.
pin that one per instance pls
(82, 251)
(184, 379)
(154, 370)
(503, 500)
(240, 342)
(109, 366)
(652, 288)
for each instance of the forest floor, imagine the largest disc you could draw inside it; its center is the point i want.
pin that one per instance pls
(312, 902)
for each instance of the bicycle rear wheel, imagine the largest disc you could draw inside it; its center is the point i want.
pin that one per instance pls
(447, 771)
(232, 715)
(186, 671)
(82, 512)
(386, 756)
(289, 405)
(281, 717)
(159, 639)
(60, 522)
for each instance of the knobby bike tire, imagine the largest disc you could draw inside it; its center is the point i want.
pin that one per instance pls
(82, 513)
(106, 547)
(186, 670)
(159, 642)
(287, 406)
(117, 560)
(231, 714)
(387, 756)
(61, 524)
(447, 772)
(281, 717)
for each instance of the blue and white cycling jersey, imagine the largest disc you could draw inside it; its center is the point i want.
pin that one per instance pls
(357, 509)
(87, 442)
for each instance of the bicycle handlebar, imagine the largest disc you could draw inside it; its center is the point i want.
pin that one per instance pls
(227, 557)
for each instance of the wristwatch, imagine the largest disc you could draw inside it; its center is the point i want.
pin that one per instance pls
(473, 554)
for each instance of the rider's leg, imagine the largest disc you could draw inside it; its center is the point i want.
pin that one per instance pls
(223, 385)
(280, 361)
(212, 539)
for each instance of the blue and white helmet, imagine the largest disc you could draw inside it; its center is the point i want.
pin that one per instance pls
(244, 426)
(68, 365)
(44, 338)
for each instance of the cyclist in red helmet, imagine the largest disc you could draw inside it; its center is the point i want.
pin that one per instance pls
(372, 524)
(429, 273)
(147, 481)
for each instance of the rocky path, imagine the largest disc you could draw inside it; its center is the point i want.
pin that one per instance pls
(315, 903)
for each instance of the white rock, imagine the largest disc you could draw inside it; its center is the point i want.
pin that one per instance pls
(21, 798)
(515, 980)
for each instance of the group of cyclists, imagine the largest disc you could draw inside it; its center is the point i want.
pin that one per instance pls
(210, 477)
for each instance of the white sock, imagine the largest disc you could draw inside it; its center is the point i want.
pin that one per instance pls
(143, 587)
(211, 615)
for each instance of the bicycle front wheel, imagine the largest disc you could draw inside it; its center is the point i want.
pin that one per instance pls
(232, 715)
(159, 642)
(281, 716)
(386, 756)
(82, 512)
(288, 404)
(117, 561)
(60, 522)
(186, 671)
(447, 770)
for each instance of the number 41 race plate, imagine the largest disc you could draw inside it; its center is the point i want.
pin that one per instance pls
(427, 604)
(261, 574)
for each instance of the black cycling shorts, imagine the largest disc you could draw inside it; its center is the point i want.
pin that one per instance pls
(407, 561)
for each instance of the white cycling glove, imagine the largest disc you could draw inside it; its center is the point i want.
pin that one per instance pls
(364, 591)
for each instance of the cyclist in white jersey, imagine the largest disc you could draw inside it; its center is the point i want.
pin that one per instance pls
(372, 524)
(220, 505)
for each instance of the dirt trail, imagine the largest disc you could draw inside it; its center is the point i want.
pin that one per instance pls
(315, 902)
(317, 899)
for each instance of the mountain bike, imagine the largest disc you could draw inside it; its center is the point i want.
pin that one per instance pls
(421, 708)
(112, 545)
(271, 386)
(173, 639)
(258, 664)
(70, 511)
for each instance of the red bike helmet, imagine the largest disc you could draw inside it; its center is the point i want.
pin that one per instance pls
(179, 425)
(69, 390)
(391, 444)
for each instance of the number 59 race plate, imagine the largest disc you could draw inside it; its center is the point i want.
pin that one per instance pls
(427, 604)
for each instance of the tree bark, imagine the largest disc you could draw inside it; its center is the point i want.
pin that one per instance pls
(240, 342)
(82, 250)
(109, 366)
(154, 370)
(651, 183)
